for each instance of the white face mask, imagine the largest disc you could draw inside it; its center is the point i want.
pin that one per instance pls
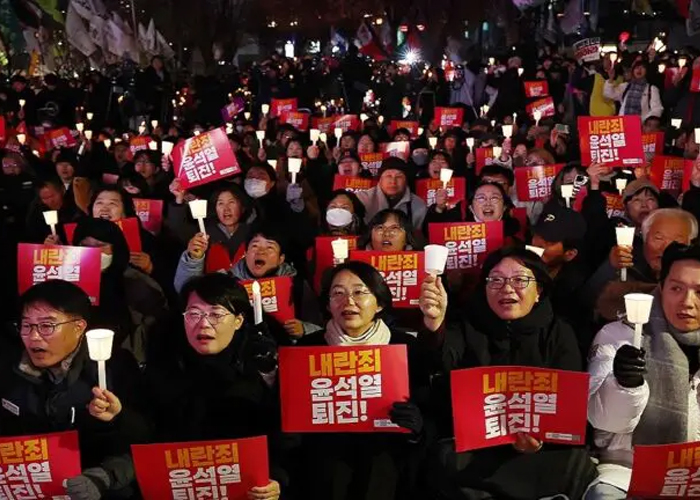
(105, 261)
(255, 187)
(338, 217)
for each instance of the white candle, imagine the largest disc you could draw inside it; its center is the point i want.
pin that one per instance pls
(246, 115)
(154, 124)
(51, 219)
(229, 128)
(80, 127)
(338, 132)
(314, 134)
(625, 238)
(520, 71)
(100, 350)
(21, 138)
(363, 117)
(380, 119)
(676, 123)
(445, 176)
(142, 129)
(257, 303)
(507, 131)
(22, 102)
(497, 150)
(166, 147)
(537, 114)
(88, 135)
(260, 134)
(199, 213)
(433, 142)
(662, 68)
(153, 146)
(294, 168)
(107, 143)
(265, 108)
(273, 163)
(323, 137)
(621, 184)
(340, 249)
(470, 142)
(567, 192)
(638, 309)
(90, 116)
(420, 130)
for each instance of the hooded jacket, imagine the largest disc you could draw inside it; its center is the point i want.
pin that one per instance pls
(375, 201)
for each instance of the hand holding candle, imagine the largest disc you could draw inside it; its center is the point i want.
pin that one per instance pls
(446, 176)
(625, 238)
(257, 303)
(51, 219)
(435, 259)
(638, 308)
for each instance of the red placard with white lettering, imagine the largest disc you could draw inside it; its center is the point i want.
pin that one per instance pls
(653, 144)
(484, 156)
(37, 466)
(59, 138)
(372, 161)
(411, 126)
(139, 143)
(666, 471)
(545, 106)
(538, 88)
(78, 265)
(426, 189)
(695, 81)
(324, 255)
(150, 212)
(279, 106)
(129, 226)
(667, 173)
(296, 119)
(535, 183)
(352, 183)
(613, 141)
(402, 271)
(204, 158)
(613, 205)
(398, 149)
(329, 124)
(491, 405)
(449, 117)
(469, 243)
(277, 297)
(342, 389)
(204, 469)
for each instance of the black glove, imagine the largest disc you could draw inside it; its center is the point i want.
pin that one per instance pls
(408, 416)
(629, 366)
(258, 350)
(90, 485)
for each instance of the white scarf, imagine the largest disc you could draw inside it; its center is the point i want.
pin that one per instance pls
(377, 334)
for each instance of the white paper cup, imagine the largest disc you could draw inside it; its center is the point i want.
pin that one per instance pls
(341, 250)
(338, 132)
(260, 134)
(507, 131)
(435, 259)
(166, 147)
(265, 108)
(273, 163)
(314, 134)
(107, 143)
(88, 135)
(153, 146)
(470, 142)
(154, 124)
(21, 138)
(51, 217)
(620, 184)
(90, 116)
(497, 150)
(80, 127)
(638, 307)
(537, 115)
(433, 142)
(446, 175)
(294, 165)
(697, 136)
(100, 344)
(323, 137)
(676, 123)
(567, 191)
(625, 236)
(539, 251)
(198, 209)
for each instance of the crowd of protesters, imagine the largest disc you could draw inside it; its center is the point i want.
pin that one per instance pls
(189, 362)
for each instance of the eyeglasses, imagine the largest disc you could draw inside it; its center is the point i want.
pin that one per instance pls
(357, 295)
(388, 230)
(193, 317)
(43, 329)
(481, 200)
(517, 282)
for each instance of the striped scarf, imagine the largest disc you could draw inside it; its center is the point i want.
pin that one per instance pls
(633, 100)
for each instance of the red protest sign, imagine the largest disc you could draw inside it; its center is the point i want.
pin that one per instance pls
(653, 144)
(130, 228)
(403, 272)
(399, 149)
(218, 259)
(277, 297)
(544, 106)
(296, 119)
(613, 205)
(667, 173)
(449, 117)
(59, 138)
(695, 81)
(490, 405)
(614, 141)
(666, 471)
(79, 265)
(469, 243)
(324, 255)
(38, 466)
(426, 189)
(352, 183)
(484, 156)
(372, 162)
(3, 131)
(279, 106)
(535, 183)
(411, 126)
(538, 88)
(204, 469)
(139, 143)
(342, 389)
(329, 124)
(204, 158)
(150, 212)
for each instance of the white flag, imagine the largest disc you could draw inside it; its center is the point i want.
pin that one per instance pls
(97, 31)
(78, 35)
(151, 40)
(163, 47)
(143, 37)
(87, 9)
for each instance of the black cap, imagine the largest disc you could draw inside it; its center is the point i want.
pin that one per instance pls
(393, 163)
(559, 223)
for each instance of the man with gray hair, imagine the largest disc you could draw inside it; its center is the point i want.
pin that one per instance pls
(661, 228)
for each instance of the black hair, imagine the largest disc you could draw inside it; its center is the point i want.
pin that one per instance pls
(67, 156)
(220, 290)
(61, 295)
(676, 252)
(401, 131)
(127, 200)
(380, 218)
(372, 279)
(298, 141)
(494, 169)
(135, 179)
(270, 232)
(527, 258)
(267, 168)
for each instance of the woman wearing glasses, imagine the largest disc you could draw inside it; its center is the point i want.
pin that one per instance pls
(512, 323)
(368, 466)
(217, 380)
(389, 231)
(49, 385)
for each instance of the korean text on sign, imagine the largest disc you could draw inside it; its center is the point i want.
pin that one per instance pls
(667, 173)
(535, 183)
(276, 294)
(198, 162)
(666, 471)
(403, 272)
(492, 405)
(614, 141)
(346, 389)
(351, 183)
(468, 243)
(426, 189)
(213, 470)
(35, 467)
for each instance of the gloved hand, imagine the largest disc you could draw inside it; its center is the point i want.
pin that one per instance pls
(259, 350)
(408, 416)
(294, 197)
(90, 485)
(629, 366)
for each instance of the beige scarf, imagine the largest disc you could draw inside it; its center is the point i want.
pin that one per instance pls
(377, 334)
